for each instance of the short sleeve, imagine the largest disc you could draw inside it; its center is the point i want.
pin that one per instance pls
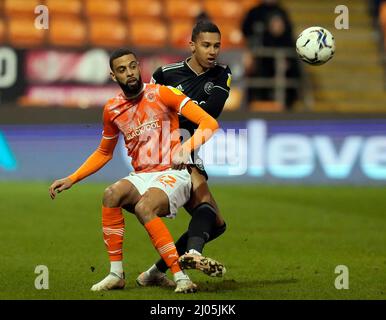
(224, 80)
(158, 76)
(110, 130)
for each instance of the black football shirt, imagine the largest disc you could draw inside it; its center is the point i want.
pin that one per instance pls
(209, 89)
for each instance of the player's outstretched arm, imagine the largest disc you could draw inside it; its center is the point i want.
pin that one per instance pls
(96, 161)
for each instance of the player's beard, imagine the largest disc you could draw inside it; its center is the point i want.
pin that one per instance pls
(131, 90)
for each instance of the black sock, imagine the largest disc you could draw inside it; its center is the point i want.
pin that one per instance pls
(217, 231)
(203, 221)
(181, 249)
(181, 244)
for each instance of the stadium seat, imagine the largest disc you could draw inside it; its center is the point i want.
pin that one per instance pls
(23, 34)
(249, 4)
(229, 9)
(143, 8)
(231, 35)
(180, 33)
(17, 8)
(64, 7)
(177, 9)
(106, 32)
(382, 21)
(68, 32)
(382, 16)
(103, 8)
(150, 33)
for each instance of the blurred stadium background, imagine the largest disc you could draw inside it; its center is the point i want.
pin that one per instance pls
(54, 82)
(58, 78)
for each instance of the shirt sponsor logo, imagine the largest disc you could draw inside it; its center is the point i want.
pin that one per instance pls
(144, 127)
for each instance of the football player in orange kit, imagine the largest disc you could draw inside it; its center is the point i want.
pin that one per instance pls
(147, 116)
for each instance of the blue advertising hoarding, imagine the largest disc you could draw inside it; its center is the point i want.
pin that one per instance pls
(274, 151)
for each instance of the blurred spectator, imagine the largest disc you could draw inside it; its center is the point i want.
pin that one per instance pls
(374, 6)
(381, 21)
(268, 25)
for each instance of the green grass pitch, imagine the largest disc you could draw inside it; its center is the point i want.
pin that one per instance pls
(282, 242)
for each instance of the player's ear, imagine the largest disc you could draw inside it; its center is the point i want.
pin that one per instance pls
(192, 47)
(112, 75)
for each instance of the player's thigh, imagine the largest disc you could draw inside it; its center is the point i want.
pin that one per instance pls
(154, 202)
(176, 184)
(200, 193)
(122, 193)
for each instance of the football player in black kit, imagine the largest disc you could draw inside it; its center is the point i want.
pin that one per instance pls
(206, 82)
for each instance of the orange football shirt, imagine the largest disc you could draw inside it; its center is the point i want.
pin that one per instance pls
(149, 125)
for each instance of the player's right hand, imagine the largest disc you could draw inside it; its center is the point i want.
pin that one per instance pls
(180, 159)
(59, 185)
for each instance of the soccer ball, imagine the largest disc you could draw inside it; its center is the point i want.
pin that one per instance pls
(315, 45)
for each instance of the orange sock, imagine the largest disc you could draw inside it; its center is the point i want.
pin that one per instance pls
(163, 242)
(113, 229)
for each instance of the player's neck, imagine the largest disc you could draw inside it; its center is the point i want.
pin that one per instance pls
(195, 66)
(132, 96)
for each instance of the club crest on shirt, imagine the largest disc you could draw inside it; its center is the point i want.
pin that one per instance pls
(150, 96)
(208, 87)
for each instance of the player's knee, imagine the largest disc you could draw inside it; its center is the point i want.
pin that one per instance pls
(207, 198)
(221, 229)
(197, 200)
(217, 231)
(111, 197)
(210, 206)
(201, 196)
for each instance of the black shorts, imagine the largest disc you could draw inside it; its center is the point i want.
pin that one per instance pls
(198, 164)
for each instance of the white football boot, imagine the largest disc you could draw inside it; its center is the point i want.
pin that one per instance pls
(183, 283)
(111, 282)
(155, 279)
